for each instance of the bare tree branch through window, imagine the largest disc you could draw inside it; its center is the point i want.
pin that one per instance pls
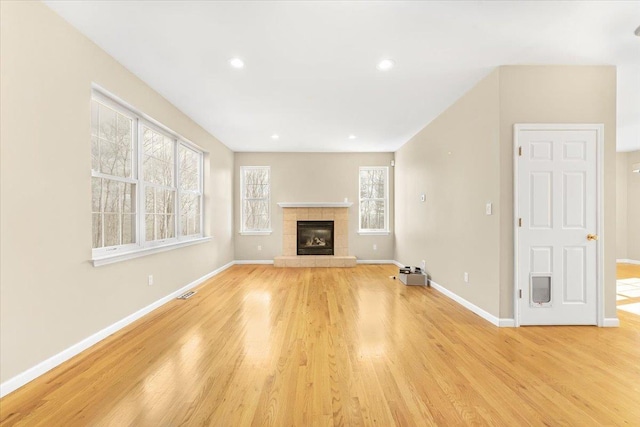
(373, 198)
(113, 193)
(190, 168)
(256, 187)
(158, 164)
(167, 177)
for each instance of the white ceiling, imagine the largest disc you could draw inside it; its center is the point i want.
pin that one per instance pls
(310, 73)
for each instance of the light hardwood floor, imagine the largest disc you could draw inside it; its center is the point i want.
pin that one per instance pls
(259, 345)
(627, 271)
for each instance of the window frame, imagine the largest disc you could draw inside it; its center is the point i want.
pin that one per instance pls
(199, 193)
(243, 229)
(145, 184)
(141, 247)
(118, 249)
(374, 231)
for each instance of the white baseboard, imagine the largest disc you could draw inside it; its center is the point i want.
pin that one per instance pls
(506, 323)
(611, 322)
(359, 261)
(510, 323)
(252, 261)
(375, 261)
(474, 308)
(627, 261)
(55, 360)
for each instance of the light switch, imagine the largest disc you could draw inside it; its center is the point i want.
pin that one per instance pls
(489, 208)
(423, 197)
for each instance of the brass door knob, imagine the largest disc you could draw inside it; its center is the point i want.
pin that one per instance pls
(592, 237)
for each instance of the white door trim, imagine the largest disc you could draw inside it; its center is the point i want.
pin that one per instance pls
(599, 128)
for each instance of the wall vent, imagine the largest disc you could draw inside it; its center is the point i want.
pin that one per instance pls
(187, 295)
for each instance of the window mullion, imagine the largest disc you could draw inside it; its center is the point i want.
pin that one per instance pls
(177, 224)
(141, 218)
(102, 229)
(201, 179)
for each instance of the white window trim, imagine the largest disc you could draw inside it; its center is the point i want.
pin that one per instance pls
(254, 232)
(111, 254)
(374, 231)
(123, 256)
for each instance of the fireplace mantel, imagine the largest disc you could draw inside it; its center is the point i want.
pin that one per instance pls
(315, 204)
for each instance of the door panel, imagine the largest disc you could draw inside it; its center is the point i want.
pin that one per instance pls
(574, 282)
(541, 199)
(575, 150)
(541, 150)
(541, 259)
(557, 207)
(575, 200)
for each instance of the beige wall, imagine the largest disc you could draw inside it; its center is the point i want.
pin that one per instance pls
(557, 94)
(51, 296)
(450, 231)
(621, 205)
(455, 162)
(633, 207)
(312, 177)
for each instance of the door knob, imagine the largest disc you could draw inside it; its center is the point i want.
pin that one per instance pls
(592, 237)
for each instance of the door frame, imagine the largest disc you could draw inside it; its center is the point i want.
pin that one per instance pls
(599, 129)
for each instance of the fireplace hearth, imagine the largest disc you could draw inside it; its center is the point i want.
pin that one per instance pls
(315, 238)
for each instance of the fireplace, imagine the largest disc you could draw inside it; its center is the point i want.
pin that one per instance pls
(293, 213)
(315, 238)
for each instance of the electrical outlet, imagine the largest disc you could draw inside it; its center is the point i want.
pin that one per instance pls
(150, 280)
(466, 277)
(259, 247)
(375, 247)
(423, 265)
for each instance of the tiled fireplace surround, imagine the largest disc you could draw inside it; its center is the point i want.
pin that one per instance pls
(338, 214)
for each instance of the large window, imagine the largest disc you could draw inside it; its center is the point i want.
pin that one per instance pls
(146, 183)
(113, 180)
(190, 190)
(158, 175)
(255, 189)
(374, 199)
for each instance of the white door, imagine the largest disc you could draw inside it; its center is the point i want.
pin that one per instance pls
(556, 226)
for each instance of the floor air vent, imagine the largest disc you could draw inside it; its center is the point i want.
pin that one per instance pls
(187, 295)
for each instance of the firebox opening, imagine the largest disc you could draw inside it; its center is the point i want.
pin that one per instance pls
(315, 238)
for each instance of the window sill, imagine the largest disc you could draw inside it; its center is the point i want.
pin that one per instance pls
(137, 253)
(255, 233)
(374, 233)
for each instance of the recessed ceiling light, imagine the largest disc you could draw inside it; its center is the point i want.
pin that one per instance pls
(236, 63)
(275, 136)
(385, 64)
(352, 136)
